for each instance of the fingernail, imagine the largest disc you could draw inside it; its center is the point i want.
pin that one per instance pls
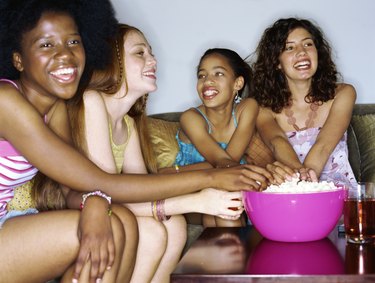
(259, 183)
(109, 267)
(98, 280)
(74, 280)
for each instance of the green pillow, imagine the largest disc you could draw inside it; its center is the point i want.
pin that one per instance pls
(364, 135)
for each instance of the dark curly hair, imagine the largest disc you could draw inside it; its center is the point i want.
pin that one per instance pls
(269, 85)
(239, 66)
(95, 19)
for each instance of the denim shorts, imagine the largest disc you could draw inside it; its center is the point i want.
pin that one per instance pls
(15, 213)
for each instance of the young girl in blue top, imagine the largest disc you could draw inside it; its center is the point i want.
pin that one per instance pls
(217, 132)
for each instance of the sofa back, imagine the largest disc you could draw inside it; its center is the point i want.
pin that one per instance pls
(361, 140)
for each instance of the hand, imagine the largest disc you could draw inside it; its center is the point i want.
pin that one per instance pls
(242, 177)
(96, 239)
(227, 205)
(281, 172)
(227, 250)
(308, 174)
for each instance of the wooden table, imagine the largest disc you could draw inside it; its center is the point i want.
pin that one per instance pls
(243, 255)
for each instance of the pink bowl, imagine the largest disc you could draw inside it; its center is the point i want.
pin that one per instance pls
(298, 217)
(307, 258)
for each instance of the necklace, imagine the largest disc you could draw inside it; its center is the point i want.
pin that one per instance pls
(310, 116)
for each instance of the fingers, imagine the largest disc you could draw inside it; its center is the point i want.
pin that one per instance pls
(82, 258)
(313, 175)
(229, 217)
(101, 259)
(256, 179)
(280, 172)
(308, 174)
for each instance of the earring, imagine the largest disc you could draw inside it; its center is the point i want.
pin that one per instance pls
(237, 98)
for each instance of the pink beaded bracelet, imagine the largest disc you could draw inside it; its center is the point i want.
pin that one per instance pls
(95, 193)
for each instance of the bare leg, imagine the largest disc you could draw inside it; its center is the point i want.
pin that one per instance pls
(214, 221)
(38, 248)
(110, 275)
(129, 222)
(177, 235)
(151, 248)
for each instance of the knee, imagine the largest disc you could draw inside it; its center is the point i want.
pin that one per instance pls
(128, 220)
(177, 230)
(118, 232)
(153, 232)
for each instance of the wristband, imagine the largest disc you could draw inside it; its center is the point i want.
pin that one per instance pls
(158, 212)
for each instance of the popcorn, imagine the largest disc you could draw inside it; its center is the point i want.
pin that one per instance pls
(300, 186)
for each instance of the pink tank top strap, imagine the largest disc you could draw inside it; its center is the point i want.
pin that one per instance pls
(10, 81)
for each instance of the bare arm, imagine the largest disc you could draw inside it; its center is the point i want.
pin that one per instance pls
(20, 122)
(194, 127)
(332, 131)
(275, 139)
(287, 161)
(100, 151)
(247, 114)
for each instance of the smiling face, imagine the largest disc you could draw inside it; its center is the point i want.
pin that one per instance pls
(140, 64)
(217, 84)
(299, 59)
(52, 57)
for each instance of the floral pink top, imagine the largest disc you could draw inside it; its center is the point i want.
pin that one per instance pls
(337, 168)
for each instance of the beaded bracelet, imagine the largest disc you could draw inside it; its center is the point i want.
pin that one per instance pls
(95, 193)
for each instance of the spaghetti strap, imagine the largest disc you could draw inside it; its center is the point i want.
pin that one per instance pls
(10, 81)
(16, 86)
(208, 121)
(234, 117)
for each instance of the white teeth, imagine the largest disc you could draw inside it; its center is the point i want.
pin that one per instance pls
(302, 64)
(64, 71)
(210, 92)
(149, 73)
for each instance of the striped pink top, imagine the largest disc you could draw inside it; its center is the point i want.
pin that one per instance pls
(15, 170)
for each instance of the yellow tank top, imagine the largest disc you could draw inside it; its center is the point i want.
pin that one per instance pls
(118, 150)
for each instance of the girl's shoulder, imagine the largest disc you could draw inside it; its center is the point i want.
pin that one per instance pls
(247, 105)
(11, 97)
(345, 92)
(193, 115)
(93, 98)
(191, 112)
(248, 102)
(345, 88)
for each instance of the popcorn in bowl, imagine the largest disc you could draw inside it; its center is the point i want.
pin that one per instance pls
(300, 186)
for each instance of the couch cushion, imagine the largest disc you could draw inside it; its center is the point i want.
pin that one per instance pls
(162, 135)
(364, 135)
(258, 153)
(163, 138)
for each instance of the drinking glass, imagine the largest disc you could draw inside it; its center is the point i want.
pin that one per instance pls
(359, 213)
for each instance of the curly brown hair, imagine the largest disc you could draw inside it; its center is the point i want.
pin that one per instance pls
(269, 84)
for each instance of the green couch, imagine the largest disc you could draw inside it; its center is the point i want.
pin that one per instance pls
(361, 144)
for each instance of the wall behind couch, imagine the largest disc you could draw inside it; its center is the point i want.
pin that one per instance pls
(181, 30)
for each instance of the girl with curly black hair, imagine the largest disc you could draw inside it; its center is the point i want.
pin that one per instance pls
(43, 59)
(304, 111)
